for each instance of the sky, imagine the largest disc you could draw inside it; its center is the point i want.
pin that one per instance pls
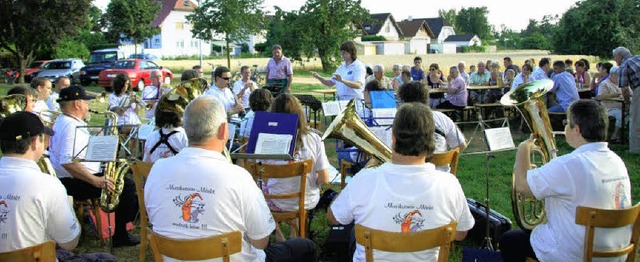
(514, 15)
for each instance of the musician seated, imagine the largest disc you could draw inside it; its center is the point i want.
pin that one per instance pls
(168, 139)
(28, 92)
(85, 180)
(308, 146)
(244, 86)
(407, 194)
(221, 90)
(60, 83)
(447, 132)
(42, 87)
(199, 193)
(260, 100)
(152, 93)
(123, 102)
(591, 175)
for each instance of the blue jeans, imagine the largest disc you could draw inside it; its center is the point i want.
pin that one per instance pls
(557, 108)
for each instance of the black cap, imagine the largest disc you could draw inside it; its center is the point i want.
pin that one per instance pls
(22, 125)
(73, 93)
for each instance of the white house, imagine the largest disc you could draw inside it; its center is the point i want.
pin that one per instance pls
(383, 25)
(175, 38)
(417, 35)
(463, 40)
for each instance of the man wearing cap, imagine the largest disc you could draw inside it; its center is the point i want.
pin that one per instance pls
(85, 180)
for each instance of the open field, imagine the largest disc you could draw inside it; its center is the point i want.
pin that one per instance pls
(444, 60)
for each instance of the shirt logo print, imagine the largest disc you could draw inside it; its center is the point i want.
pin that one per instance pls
(409, 222)
(190, 207)
(4, 212)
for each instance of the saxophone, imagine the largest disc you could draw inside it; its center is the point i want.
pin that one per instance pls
(114, 170)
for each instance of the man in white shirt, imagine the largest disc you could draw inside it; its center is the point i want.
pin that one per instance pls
(406, 194)
(199, 193)
(244, 86)
(151, 93)
(85, 180)
(42, 86)
(542, 71)
(378, 74)
(591, 175)
(221, 91)
(61, 82)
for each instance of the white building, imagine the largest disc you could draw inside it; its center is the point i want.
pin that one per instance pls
(417, 35)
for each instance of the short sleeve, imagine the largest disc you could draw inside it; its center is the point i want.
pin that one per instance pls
(342, 207)
(66, 144)
(464, 218)
(62, 224)
(359, 74)
(453, 135)
(551, 180)
(321, 161)
(623, 80)
(289, 68)
(258, 219)
(113, 101)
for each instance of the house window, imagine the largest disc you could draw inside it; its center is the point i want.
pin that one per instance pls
(387, 28)
(179, 25)
(186, 3)
(194, 43)
(157, 40)
(180, 43)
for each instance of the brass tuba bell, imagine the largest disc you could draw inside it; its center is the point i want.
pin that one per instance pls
(11, 104)
(529, 99)
(349, 127)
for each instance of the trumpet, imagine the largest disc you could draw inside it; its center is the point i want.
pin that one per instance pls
(131, 99)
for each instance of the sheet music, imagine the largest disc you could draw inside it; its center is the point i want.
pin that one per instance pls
(384, 116)
(145, 130)
(499, 138)
(382, 132)
(331, 108)
(273, 144)
(102, 149)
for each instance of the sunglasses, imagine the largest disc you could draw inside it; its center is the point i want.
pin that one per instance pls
(226, 78)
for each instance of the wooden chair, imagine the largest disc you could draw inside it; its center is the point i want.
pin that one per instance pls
(450, 158)
(297, 169)
(406, 242)
(609, 218)
(140, 173)
(41, 252)
(196, 249)
(94, 207)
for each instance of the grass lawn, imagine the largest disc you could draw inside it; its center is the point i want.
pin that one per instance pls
(471, 173)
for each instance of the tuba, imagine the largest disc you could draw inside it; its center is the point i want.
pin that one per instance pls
(11, 104)
(529, 99)
(349, 127)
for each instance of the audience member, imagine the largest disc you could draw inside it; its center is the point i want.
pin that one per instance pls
(609, 90)
(629, 81)
(417, 74)
(378, 75)
(564, 88)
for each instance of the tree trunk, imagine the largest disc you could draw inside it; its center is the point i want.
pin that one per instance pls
(22, 64)
(324, 60)
(226, 39)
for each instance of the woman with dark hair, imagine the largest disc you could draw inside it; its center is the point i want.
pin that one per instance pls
(168, 139)
(349, 77)
(583, 78)
(259, 100)
(308, 146)
(122, 102)
(435, 79)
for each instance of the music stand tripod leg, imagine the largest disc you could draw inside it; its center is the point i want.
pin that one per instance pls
(487, 238)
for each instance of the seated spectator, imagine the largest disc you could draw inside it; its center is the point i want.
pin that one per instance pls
(260, 100)
(378, 74)
(523, 77)
(564, 88)
(509, 77)
(583, 78)
(456, 91)
(169, 138)
(568, 66)
(34, 207)
(435, 79)
(396, 82)
(198, 193)
(464, 74)
(384, 197)
(472, 69)
(542, 70)
(608, 90)
(417, 74)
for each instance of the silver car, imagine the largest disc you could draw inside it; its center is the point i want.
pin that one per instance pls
(62, 67)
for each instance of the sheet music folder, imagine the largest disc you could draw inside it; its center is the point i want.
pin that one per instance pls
(99, 148)
(271, 132)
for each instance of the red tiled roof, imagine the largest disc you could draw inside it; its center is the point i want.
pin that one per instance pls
(170, 5)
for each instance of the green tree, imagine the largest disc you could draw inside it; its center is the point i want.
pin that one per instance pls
(473, 20)
(132, 19)
(449, 16)
(28, 26)
(595, 27)
(235, 19)
(319, 28)
(70, 48)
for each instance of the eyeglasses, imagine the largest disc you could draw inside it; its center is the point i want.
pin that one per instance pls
(432, 69)
(226, 78)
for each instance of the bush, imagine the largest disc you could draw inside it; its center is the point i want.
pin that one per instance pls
(474, 49)
(373, 38)
(261, 47)
(71, 49)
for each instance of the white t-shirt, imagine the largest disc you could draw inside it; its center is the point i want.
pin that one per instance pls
(538, 74)
(129, 117)
(313, 148)
(52, 104)
(247, 124)
(237, 88)
(62, 149)
(178, 141)
(33, 207)
(198, 193)
(388, 196)
(39, 106)
(453, 137)
(591, 175)
(224, 96)
(150, 93)
(353, 72)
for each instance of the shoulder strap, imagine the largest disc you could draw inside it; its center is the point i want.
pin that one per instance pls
(164, 139)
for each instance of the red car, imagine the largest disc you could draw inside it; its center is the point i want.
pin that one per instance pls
(34, 68)
(138, 70)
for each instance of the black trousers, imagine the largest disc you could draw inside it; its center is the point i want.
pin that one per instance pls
(295, 249)
(515, 245)
(126, 210)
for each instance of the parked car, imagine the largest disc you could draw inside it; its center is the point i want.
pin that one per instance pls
(99, 60)
(138, 70)
(144, 56)
(33, 69)
(62, 67)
